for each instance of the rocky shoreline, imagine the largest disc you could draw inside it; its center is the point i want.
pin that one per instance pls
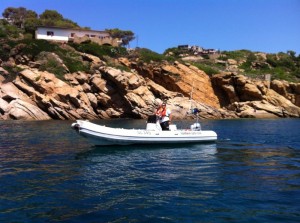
(109, 92)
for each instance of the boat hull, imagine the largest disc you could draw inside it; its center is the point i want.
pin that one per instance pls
(102, 135)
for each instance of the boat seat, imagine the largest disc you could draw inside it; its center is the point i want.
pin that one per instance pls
(153, 127)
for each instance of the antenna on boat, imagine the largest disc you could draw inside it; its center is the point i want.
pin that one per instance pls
(191, 96)
(194, 111)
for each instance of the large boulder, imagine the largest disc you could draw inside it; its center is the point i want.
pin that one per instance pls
(123, 79)
(54, 96)
(287, 107)
(181, 78)
(21, 110)
(252, 98)
(256, 109)
(10, 92)
(3, 106)
(290, 91)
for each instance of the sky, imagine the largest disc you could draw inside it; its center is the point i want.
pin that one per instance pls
(269, 26)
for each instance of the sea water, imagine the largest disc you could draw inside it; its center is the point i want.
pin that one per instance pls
(251, 174)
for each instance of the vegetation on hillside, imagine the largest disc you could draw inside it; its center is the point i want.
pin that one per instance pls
(100, 51)
(17, 32)
(147, 56)
(284, 66)
(35, 49)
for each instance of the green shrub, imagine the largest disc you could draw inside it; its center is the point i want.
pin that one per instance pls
(272, 60)
(54, 67)
(236, 55)
(3, 34)
(28, 36)
(74, 64)
(206, 68)
(32, 48)
(4, 54)
(100, 50)
(174, 51)
(13, 72)
(249, 59)
(147, 55)
(10, 31)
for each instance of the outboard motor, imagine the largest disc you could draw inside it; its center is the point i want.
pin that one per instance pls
(196, 126)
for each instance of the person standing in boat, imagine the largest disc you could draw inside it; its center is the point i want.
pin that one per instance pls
(164, 115)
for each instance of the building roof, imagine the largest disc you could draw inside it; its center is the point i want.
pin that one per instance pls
(75, 29)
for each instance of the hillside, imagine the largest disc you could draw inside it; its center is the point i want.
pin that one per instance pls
(281, 66)
(43, 80)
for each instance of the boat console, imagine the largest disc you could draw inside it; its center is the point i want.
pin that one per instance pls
(196, 126)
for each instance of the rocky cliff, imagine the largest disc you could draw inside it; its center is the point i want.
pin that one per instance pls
(134, 92)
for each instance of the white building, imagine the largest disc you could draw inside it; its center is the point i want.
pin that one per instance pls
(70, 34)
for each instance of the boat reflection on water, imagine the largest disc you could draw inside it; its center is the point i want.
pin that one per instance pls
(202, 148)
(150, 174)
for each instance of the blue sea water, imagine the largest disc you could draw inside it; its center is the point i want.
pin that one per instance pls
(50, 174)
